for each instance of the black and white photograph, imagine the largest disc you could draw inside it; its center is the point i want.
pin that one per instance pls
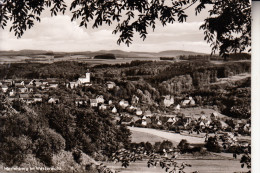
(128, 86)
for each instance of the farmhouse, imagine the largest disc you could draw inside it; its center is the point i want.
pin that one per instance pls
(148, 113)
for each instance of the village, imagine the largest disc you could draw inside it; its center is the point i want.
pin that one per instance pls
(130, 112)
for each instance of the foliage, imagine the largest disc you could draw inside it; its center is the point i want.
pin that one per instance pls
(213, 145)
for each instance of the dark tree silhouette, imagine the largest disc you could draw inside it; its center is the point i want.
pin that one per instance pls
(227, 28)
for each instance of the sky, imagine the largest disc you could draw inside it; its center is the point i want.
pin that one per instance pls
(58, 33)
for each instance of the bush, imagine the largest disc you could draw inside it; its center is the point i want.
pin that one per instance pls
(213, 145)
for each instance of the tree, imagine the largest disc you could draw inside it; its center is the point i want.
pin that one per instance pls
(227, 29)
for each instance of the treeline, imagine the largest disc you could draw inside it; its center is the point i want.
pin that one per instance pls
(65, 69)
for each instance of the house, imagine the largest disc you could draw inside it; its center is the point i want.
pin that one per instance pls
(114, 110)
(17, 83)
(73, 85)
(53, 101)
(24, 96)
(110, 85)
(12, 93)
(138, 112)
(123, 103)
(7, 82)
(178, 107)
(202, 117)
(93, 103)
(53, 85)
(214, 116)
(188, 101)
(207, 123)
(144, 123)
(148, 113)
(170, 121)
(135, 99)
(102, 107)
(110, 102)
(159, 122)
(80, 101)
(21, 88)
(37, 99)
(29, 88)
(4, 88)
(168, 101)
(100, 99)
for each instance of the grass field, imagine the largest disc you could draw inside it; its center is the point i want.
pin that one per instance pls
(147, 133)
(203, 166)
(147, 137)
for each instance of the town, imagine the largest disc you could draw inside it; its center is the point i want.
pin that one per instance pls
(111, 93)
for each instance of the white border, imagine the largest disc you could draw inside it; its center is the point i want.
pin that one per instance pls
(255, 86)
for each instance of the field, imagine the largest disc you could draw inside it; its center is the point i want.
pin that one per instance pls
(203, 166)
(174, 137)
(211, 163)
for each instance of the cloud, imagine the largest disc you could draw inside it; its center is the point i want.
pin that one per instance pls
(60, 34)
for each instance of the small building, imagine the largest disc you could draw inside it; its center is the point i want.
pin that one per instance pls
(214, 116)
(110, 84)
(138, 112)
(72, 85)
(93, 103)
(80, 101)
(134, 99)
(4, 88)
(168, 101)
(123, 103)
(53, 85)
(148, 113)
(114, 110)
(24, 96)
(100, 99)
(178, 107)
(144, 123)
(53, 100)
(102, 107)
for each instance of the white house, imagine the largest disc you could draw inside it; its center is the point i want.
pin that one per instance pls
(138, 111)
(124, 103)
(100, 99)
(178, 107)
(110, 85)
(102, 107)
(114, 110)
(144, 123)
(168, 101)
(53, 100)
(4, 88)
